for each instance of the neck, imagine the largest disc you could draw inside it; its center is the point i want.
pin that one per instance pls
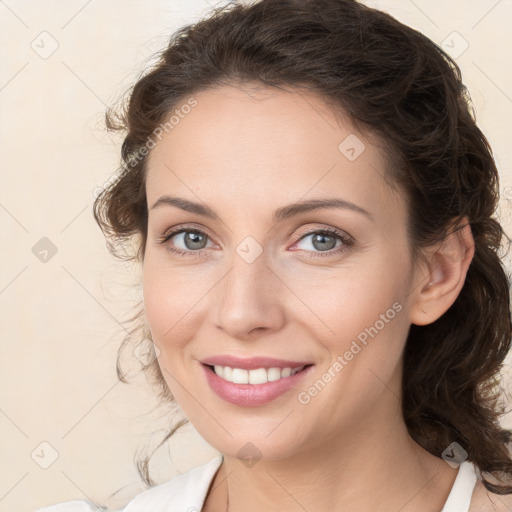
(377, 467)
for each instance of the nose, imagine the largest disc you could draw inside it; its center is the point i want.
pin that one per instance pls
(247, 299)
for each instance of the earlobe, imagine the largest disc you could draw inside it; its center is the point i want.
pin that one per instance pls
(443, 276)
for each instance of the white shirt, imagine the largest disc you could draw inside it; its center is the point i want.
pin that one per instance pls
(187, 492)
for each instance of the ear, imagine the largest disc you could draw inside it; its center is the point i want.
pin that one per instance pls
(441, 277)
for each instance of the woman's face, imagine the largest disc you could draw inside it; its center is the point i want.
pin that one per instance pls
(254, 277)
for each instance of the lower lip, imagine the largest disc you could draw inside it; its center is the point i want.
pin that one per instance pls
(252, 395)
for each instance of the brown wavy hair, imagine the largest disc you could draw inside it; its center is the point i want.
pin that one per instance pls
(395, 83)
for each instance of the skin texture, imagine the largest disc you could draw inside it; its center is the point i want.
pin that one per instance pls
(245, 152)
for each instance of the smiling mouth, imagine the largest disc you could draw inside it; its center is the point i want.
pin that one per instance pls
(255, 376)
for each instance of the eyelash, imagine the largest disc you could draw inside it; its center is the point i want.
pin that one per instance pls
(346, 241)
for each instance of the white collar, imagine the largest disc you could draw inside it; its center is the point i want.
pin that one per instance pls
(459, 498)
(187, 492)
(183, 493)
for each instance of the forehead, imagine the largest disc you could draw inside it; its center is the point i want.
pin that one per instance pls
(265, 145)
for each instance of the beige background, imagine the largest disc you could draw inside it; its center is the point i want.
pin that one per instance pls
(60, 318)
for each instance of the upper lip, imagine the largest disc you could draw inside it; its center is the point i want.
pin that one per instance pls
(252, 363)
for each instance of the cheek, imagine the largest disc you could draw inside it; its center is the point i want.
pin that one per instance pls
(166, 315)
(171, 296)
(360, 316)
(176, 307)
(160, 303)
(341, 303)
(369, 334)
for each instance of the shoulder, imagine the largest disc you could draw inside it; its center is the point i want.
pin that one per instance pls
(486, 501)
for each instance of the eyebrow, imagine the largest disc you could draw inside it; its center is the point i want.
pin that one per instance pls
(280, 214)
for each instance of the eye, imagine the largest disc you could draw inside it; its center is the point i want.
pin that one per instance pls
(325, 242)
(185, 241)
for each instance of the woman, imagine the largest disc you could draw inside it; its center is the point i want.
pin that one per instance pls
(313, 206)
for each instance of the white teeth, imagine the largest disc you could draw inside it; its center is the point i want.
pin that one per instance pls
(227, 373)
(274, 374)
(240, 376)
(257, 376)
